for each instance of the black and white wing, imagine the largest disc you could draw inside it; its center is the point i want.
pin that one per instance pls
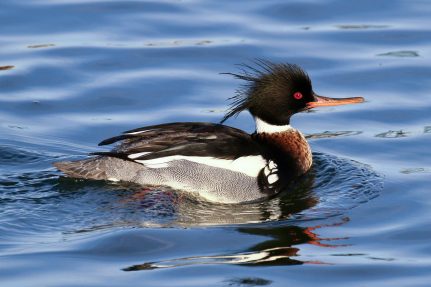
(206, 143)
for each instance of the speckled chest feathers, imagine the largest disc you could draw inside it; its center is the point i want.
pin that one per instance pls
(289, 149)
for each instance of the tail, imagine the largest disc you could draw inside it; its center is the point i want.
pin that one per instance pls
(92, 168)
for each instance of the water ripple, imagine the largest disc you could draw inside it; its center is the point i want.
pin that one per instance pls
(74, 72)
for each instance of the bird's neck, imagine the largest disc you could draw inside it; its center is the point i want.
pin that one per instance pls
(264, 127)
(287, 145)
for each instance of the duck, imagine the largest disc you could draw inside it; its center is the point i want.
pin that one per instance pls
(214, 161)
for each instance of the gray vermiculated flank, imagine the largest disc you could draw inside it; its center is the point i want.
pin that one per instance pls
(226, 187)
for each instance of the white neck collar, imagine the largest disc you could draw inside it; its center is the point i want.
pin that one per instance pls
(264, 127)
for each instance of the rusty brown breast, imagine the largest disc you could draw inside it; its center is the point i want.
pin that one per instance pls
(289, 149)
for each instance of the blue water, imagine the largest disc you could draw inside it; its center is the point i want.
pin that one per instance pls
(75, 72)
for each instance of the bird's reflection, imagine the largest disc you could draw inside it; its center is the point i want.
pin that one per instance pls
(286, 239)
(281, 249)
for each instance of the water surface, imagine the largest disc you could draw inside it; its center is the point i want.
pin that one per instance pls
(75, 72)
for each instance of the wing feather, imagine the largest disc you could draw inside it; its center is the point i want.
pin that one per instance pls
(183, 139)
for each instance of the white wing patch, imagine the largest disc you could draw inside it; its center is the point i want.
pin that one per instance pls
(139, 132)
(249, 165)
(135, 155)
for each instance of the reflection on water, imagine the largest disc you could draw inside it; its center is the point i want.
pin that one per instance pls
(415, 170)
(248, 281)
(393, 134)
(2, 68)
(330, 134)
(281, 249)
(364, 26)
(185, 43)
(40, 46)
(400, 54)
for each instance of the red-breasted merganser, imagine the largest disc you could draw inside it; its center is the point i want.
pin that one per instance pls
(217, 162)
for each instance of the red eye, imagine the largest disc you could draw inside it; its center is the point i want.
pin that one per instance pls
(297, 95)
